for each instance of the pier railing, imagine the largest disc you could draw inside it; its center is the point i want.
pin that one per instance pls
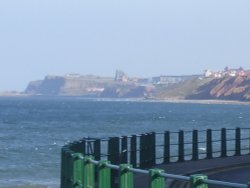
(109, 162)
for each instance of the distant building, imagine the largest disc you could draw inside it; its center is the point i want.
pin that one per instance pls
(168, 79)
(95, 89)
(227, 72)
(121, 76)
(217, 74)
(232, 73)
(242, 73)
(51, 77)
(208, 73)
(72, 75)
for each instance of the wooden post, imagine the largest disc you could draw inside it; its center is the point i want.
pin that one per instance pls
(237, 142)
(223, 142)
(209, 144)
(153, 149)
(181, 146)
(143, 154)
(114, 156)
(166, 147)
(124, 150)
(195, 152)
(133, 150)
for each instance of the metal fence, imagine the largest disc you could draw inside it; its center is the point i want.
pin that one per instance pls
(85, 159)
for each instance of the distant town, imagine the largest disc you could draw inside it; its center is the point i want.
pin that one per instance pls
(121, 76)
(227, 72)
(228, 84)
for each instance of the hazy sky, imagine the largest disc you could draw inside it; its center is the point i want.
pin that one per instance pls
(143, 38)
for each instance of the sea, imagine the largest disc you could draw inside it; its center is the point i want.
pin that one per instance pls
(33, 129)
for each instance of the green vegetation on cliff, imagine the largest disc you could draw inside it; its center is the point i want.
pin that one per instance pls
(192, 87)
(180, 90)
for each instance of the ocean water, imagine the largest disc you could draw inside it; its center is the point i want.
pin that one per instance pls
(33, 130)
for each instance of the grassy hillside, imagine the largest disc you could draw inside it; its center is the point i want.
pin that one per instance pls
(180, 90)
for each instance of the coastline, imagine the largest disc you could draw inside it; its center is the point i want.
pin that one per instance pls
(198, 101)
(167, 100)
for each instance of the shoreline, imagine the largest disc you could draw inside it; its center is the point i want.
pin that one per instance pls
(167, 100)
(199, 101)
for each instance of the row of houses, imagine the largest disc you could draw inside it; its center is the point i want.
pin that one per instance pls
(226, 72)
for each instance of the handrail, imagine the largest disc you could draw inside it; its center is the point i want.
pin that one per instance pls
(141, 153)
(203, 181)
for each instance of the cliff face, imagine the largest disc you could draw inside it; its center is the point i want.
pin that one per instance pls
(90, 86)
(202, 88)
(128, 91)
(226, 88)
(180, 90)
(48, 86)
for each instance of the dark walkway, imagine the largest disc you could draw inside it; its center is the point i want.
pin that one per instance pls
(231, 169)
(239, 174)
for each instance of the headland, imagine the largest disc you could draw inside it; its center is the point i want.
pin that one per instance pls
(229, 86)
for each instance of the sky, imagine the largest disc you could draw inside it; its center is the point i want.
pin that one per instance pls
(141, 37)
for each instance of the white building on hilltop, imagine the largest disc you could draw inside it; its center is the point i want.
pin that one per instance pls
(208, 73)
